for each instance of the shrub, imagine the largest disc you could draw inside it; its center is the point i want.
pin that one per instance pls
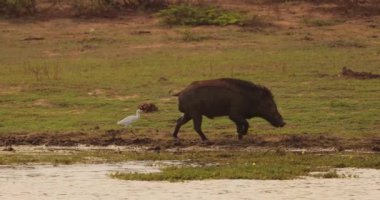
(193, 15)
(107, 8)
(17, 7)
(112, 7)
(145, 5)
(94, 8)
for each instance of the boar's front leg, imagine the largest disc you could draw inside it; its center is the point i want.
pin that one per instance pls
(241, 125)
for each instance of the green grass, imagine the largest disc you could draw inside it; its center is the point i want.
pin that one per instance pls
(97, 86)
(73, 157)
(270, 165)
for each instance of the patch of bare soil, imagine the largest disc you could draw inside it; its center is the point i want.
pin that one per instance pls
(10, 89)
(346, 72)
(159, 142)
(42, 103)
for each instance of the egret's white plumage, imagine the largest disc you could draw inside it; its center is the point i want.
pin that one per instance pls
(130, 119)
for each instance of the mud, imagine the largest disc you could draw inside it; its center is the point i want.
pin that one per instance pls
(92, 182)
(159, 142)
(69, 150)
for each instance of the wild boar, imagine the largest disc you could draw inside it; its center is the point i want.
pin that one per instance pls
(238, 99)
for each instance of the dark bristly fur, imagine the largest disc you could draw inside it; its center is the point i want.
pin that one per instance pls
(237, 99)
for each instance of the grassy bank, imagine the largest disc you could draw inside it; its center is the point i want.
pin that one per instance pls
(258, 166)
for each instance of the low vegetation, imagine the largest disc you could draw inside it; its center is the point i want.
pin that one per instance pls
(18, 7)
(258, 166)
(88, 8)
(94, 8)
(112, 8)
(329, 174)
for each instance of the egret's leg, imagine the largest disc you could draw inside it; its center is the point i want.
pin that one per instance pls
(133, 133)
(181, 121)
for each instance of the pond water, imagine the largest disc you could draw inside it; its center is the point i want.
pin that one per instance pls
(91, 181)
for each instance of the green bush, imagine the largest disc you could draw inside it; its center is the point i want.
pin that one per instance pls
(17, 7)
(102, 8)
(95, 7)
(146, 5)
(193, 15)
(113, 7)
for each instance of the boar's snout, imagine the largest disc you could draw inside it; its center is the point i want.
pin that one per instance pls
(282, 124)
(278, 122)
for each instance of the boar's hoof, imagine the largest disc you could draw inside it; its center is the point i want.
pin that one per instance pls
(207, 142)
(177, 142)
(240, 136)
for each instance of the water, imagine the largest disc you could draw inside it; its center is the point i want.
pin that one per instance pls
(91, 181)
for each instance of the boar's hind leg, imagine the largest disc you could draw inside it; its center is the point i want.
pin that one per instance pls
(241, 125)
(181, 121)
(197, 120)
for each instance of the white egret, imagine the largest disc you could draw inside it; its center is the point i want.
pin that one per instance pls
(130, 119)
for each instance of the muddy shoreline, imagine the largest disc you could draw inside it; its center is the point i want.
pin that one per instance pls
(160, 143)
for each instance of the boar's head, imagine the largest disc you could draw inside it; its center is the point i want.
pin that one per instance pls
(268, 109)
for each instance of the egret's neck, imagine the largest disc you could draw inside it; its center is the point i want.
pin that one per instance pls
(138, 113)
